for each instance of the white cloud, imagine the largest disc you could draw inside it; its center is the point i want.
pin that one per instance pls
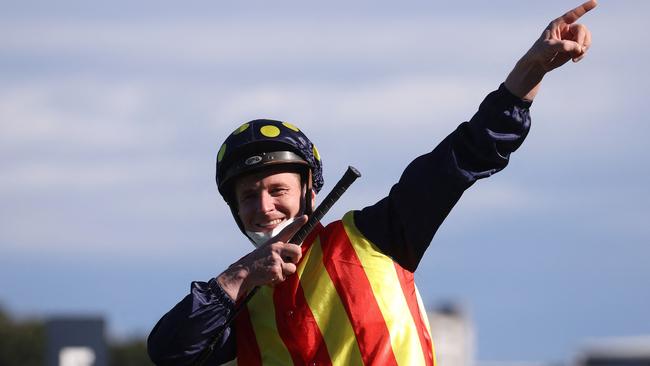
(277, 41)
(289, 43)
(59, 175)
(62, 113)
(399, 102)
(107, 128)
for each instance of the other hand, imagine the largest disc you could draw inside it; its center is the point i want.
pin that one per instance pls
(269, 264)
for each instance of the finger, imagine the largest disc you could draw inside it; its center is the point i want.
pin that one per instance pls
(274, 281)
(588, 40)
(290, 253)
(579, 33)
(288, 232)
(572, 15)
(571, 48)
(582, 36)
(287, 270)
(585, 47)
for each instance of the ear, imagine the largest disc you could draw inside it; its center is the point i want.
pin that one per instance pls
(313, 199)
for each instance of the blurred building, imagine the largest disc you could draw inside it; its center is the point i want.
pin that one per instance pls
(624, 351)
(453, 335)
(75, 341)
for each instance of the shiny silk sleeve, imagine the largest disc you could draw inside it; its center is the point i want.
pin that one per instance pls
(186, 330)
(403, 224)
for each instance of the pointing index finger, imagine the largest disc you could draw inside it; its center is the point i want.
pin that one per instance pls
(572, 15)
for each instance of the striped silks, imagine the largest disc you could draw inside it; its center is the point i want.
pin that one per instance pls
(349, 304)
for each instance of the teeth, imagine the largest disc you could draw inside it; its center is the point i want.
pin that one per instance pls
(270, 223)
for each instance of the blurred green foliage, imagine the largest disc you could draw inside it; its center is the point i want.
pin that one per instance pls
(22, 343)
(130, 353)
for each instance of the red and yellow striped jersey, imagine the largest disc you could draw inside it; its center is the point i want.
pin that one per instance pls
(348, 304)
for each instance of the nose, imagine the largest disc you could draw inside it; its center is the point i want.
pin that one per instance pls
(266, 203)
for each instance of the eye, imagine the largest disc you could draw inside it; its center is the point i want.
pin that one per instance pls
(278, 191)
(246, 196)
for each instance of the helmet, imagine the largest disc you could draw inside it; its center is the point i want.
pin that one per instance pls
(261, 143)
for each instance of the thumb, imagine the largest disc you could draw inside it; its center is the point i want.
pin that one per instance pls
(288, 232)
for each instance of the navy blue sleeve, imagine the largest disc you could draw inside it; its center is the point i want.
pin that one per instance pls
(403, 224)
(182, 334)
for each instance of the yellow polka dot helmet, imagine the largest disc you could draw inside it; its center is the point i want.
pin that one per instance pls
(262, 143)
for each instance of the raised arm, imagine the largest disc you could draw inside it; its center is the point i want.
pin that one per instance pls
(402, 225)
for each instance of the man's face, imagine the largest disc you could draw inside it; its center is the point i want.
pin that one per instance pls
(268, 198)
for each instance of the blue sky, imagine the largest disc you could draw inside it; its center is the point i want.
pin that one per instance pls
(111, 116)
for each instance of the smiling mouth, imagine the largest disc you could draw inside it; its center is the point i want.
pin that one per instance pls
(269, 224)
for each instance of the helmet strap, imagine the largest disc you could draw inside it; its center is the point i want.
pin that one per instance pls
(309, 209)
(235, 215)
